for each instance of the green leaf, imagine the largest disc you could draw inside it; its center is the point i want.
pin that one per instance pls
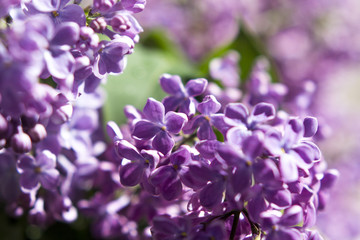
(140, 80)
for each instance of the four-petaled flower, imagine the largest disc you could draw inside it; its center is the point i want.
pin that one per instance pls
(38, 171)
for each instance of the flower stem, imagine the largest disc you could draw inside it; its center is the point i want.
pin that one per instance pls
(234, 225)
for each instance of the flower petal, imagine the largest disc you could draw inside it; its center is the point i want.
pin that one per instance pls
(29, 180)
(211, 195)
(145, 130)
(131, 174)
(127, 150)
(154, 111)
(175, 121)
(196, 87)
(49, 179)
(172, 84)
(26, 162)
(288, 168)
(66, 34)
(262, 112)
(237, 112)
(163, 142)
(209, 105)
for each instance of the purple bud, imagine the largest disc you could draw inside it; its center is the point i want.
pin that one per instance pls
(196, 87)
(29, 121)
(37, 214)
(3, 125)
(120, 23)
(310, 126)
(98, 25)
(21, 142)
(104, 5)
(37, 133)
(134, 6)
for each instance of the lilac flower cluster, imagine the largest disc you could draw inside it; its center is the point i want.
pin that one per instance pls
(188, 167)
(243, 172)
(52, 62)
(49, 41)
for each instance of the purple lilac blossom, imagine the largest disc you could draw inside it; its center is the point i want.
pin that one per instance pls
(182, 97)
(193, 182)
(263, 172)
(51, 140)
(314, 45)
(40, 170)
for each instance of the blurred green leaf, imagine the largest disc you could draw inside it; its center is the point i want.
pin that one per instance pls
(140, 80)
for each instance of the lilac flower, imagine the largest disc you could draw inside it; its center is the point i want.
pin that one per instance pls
(110, 57)
(132, 173)
(280, 226)
(166, 178)
(208, 109)
(209, 181)
(21, 142)
(58, 11)
(237, 114)
(60, 63)
(46, 41)
(293, 151)
(157, 125)
(182, 98)
(165, 227)
(38, 171)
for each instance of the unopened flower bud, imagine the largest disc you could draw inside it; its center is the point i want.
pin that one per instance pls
(98, 24)
(310, 126)
(120, 23)
(21, 142)
(2, 143)
(104, 5)
(3, 125)
(62, 114)
(29, 121)
(37, 133)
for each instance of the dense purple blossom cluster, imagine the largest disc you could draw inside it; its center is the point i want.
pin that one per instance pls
(51, 63)
(223, 174)
(197, 165)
